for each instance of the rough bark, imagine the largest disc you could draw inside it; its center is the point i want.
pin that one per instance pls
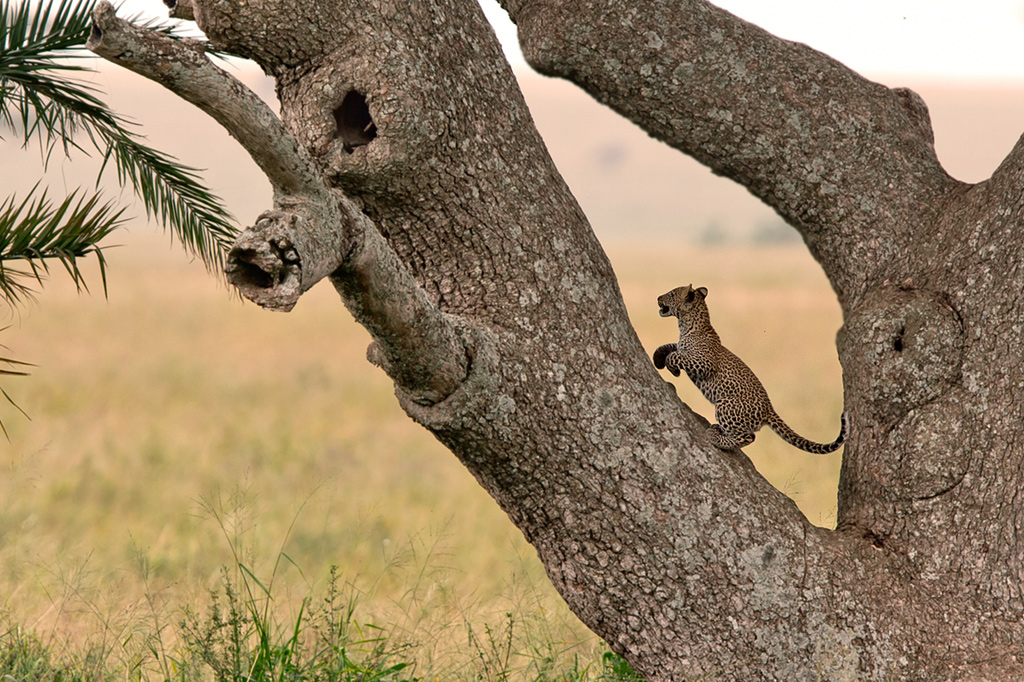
(407, 170)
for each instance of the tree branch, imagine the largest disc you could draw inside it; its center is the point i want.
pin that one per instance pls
(414, 343)
(313, 232)
(821, 145)
(181, 65)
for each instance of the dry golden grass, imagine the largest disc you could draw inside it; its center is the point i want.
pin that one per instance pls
(172, 415)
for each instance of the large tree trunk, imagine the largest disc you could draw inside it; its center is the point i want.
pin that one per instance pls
(407, 169)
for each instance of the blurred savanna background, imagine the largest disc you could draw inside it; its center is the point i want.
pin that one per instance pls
(181, 442)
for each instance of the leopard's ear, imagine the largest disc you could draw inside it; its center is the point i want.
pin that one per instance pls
(703, 291)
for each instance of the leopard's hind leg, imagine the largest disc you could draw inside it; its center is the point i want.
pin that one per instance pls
(725, 440)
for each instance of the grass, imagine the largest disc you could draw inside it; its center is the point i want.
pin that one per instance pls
(244, 631)
(175, 430)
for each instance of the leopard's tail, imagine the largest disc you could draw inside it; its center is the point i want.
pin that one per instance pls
(793, 438)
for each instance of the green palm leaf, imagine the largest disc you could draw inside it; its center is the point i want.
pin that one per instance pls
(34, 232)
(41, 99)
(11, 372)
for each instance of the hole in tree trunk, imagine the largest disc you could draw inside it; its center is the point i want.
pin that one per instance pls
(355, 125)
(244, 274)
(897, 344)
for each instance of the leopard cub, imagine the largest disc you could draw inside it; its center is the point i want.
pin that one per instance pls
(741, 403)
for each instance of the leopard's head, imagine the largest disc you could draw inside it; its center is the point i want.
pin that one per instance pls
(686, 304)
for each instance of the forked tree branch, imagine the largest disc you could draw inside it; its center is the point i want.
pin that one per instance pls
(817, 142)
(181, 65)
(313, 232)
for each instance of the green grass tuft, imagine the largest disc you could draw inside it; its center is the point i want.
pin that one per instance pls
(240, 637)
(23, 658)
(243, 633)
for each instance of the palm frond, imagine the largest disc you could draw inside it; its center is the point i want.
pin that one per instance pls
(30, 45)
(40, 95)
(34, 232)
(12, 373)
(173, 193)
(11, 362)
(54, 28)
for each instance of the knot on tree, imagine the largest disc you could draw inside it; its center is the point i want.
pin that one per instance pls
(936, 452)
(371, 131)
(908, 347)
(481, 393)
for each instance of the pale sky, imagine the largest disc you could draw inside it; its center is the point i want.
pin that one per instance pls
(927, 38)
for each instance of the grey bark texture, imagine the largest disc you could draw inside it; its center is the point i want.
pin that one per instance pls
(407, 170)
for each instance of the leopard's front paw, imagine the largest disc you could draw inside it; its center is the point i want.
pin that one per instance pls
(663, 352)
